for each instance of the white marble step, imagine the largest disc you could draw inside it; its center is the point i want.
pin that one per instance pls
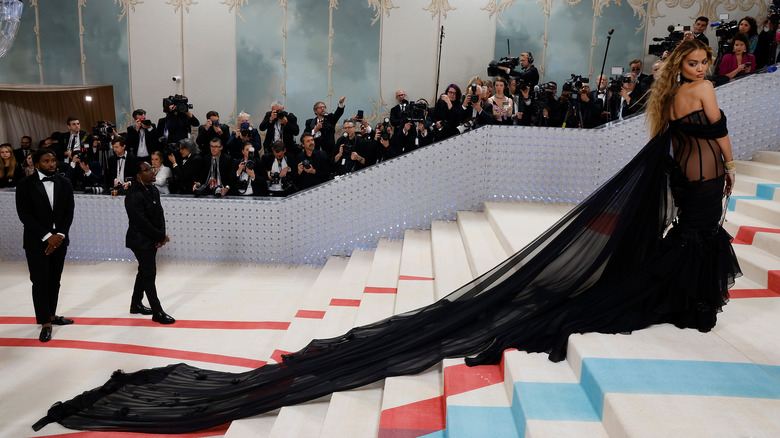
(758, 169)
(756, 263)
(356, 413)
(480, 241)
(767, 211)
(746, 185)
(450, 262)
(416, 277)
(301, 420)
(517, 224)
(735, 220)
(768, 157)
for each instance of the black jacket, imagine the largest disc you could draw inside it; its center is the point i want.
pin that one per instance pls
(289, 131)
(326, 141)
(146, 226)
(37, 215)
(186, 173)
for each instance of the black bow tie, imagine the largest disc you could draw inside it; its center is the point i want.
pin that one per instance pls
(120, 158)
(47, 178)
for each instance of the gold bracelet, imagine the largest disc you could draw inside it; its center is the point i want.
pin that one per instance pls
(730, 167)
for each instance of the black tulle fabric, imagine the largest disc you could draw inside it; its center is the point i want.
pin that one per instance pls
(605, 267)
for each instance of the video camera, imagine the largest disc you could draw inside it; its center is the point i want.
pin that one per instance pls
(544, 93)
(508, 61)
(181, 103)
(616, 83)
(102, 131)
(726, 30)
(576, 83)
(676, 34)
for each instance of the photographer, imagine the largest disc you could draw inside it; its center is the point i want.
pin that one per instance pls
(278, 124)
(118, 174)
(475, 110)
(528, 73)
(415, 133)
(397, 112)
(142, 137)
(447, 113)
(212, 129)
(186, 168)
(632, 99)
(73, 140)
(216, 173)
(312, 166)
(323, 126)
(739, 62)
(178, 119)
(278, 171)
(352, 152)
(698, 28)
(246, 169)
(523, 98)
(84, 170)
(244, 132)
(553, 110)
(385, 145)
(766, 47)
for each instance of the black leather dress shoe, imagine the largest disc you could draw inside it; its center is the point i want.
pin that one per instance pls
(58, 320)
(45, 335)
(140, 309)
(163, 318)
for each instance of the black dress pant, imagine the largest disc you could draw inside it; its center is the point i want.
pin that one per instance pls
(144, 280)
(45, 273)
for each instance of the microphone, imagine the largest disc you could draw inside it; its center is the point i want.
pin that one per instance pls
(771, 69)
(611, 31)
(715, 24)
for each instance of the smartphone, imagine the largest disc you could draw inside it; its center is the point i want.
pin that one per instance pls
(360, 115)
(748, 64)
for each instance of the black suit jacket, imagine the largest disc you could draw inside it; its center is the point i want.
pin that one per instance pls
(151, 137)
(186, 173)
(19, 155)
(85, 138)
(226, 172)
(37, 215)
(289, 131)
(326, 141)
(145, 214)
(205, 135)
(111, 167)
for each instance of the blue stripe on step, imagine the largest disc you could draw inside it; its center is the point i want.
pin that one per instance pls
(480, 421)
(764, 192)
(636, 376)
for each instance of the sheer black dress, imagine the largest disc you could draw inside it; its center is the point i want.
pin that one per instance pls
(611, 265)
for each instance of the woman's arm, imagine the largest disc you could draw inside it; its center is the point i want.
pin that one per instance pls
(706, 93)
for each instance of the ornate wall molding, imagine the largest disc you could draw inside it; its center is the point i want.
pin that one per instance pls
(334, 4)
(498, 7)
(235, 4)
(82, 4)
(439, 7)
(380, 6)
(283, 5)
(183, 4)
(37, 30)
(125, 4)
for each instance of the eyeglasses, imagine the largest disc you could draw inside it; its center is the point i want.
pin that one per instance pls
(148, 169)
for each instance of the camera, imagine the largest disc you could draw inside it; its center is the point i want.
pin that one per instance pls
(246, 130)
(206, 189)
(726, 30)
(494, 70)
(468, 125)
(102, 132)
(146, 122)
(169, 148)
(668, 42)
(306, 164)
(94, 190)
(280, 114)
(181, 103)
(616, 83)
(417, 112)
(84, 154)
(576, 83)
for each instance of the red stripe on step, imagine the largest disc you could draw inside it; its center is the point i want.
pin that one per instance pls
(461, 378)
(133, 349)
(147, 322)
(752, 293)
(746, 234)
(217, 431)
(426, 414)
(773, 281)
(312, 314)
(277, 355)
(380, 290)
(412, 277)
(344, 302)
(405, 433)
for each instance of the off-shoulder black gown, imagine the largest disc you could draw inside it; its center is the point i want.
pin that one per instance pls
(607, 266)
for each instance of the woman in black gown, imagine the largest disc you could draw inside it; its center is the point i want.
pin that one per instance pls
(607, 266)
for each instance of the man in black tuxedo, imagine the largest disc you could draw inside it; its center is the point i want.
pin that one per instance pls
(44, 203)
(279, 125)
(120, 165)
(643, 80)
(699, 26)
(323, 126)
(212, 129)
(72, 140)
(312, 166)
(217, 171)
(175, 126)
(142, 137)
(186, 167)
(397, 112)
(145, 234)
(25, 149)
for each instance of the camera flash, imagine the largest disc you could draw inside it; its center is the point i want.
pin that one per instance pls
(88, 98)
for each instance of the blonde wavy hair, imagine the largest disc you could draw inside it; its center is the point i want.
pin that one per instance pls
(666, 84)
(11, 163)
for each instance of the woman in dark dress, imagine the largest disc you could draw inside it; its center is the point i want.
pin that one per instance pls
(606, 266)
(10, 171)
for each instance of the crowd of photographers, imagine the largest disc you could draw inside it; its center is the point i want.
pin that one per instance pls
(219, 161)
